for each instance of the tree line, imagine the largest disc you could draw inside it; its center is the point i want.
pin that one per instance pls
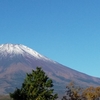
(38, 86)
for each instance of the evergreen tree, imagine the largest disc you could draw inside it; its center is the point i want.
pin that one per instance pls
(36, 86)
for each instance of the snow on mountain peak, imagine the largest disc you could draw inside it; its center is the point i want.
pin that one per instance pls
(19, 49)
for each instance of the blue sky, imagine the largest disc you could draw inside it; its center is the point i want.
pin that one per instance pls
(67, 31)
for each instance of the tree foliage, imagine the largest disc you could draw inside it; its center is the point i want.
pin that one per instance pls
(72, 92)
(91, 93)
(36, 86)
(77, 93)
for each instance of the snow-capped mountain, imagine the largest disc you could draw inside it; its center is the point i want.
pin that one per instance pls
(17, 59)
(14, 49)
(19, 53)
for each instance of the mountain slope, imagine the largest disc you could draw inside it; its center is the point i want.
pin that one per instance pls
(16, 60)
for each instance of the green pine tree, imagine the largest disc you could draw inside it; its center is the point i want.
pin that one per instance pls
(36, 86)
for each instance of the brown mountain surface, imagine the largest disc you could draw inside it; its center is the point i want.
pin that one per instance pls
(16, 60)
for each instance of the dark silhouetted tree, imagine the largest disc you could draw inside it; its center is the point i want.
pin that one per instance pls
(73, 92)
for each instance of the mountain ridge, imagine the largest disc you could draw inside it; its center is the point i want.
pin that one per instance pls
(14, 66)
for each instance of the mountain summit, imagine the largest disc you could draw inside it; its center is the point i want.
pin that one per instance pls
(16, 60)
(14, 49)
